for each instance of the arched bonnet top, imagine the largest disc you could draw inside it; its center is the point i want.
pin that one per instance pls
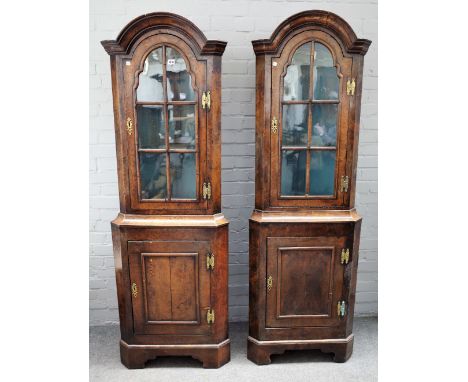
(161, 20)
(324, 20)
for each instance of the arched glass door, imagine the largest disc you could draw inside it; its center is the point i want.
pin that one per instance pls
(167, 128)
(309, 118)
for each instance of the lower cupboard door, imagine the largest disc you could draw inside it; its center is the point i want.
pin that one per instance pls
(304, 281)
(170, 287)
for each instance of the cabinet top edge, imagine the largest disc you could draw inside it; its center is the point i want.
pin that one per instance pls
(143, 221)
(312, 216)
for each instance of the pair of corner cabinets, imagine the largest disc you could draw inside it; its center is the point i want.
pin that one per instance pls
(170, 239)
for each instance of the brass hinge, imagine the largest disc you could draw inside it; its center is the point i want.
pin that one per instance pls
(134, 290)
(269, 283)
(210, 262)
(274, 125)
(345, 256)
(350, 86)
(129, 126)
(210, 316)
(206, 100)
(206, 190)
(341, 308)
(344, 183)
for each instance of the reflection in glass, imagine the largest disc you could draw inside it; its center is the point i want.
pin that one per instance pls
(324, 124)
(179, 82)
(150, 85)
(153, 175)
(293, 172)
(322, 172)
(181, 126)
(325, 78)
(295, 125)
(151, 129)
(183, 175)
(297, 79)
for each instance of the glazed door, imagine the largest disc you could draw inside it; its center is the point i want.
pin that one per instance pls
(170, 287)
(304, 281)
(309, 123)
(166, 126)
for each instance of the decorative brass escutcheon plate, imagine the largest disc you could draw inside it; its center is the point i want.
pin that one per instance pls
(134, 290)
(269, 283)
(129, 126)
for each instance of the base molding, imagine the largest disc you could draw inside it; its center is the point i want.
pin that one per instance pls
(259, 352)
(212, 356)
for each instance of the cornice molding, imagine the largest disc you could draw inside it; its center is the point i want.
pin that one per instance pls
(162, 20)
(313, 18)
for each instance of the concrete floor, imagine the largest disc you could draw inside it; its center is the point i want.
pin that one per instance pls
(104, 361)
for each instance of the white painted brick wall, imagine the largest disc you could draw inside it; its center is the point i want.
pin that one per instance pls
(238, 22)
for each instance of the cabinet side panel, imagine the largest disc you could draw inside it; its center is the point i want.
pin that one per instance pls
(120, 142)
(219, 283)
(352, 284)
(354, 125)
(256, 299)
(122, 280)
(262, 136)
(213, 144)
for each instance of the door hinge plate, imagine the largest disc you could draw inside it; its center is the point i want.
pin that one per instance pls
(344, 184)
(210, 261)
(345, 256)
(350, 86)
(210, 316)
(206, 190)
(206, 100)
(341, 308)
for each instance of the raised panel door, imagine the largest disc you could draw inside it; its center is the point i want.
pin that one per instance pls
(170, 286)
(304, 281)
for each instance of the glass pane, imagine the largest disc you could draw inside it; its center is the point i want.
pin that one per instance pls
(183, 181)
(295, 125)
(297, 79)
(293, 172)
(322, 172)
(153, 175)
(325, 77)
(151, 129)
(179, 82)
(181, 126)
(324, 124)
(150, 85)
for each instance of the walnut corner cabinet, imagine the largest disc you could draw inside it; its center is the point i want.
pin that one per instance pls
(170, 239)
(304, 231)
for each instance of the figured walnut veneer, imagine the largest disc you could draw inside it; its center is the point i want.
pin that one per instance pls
(165, 290)
(297, 278)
